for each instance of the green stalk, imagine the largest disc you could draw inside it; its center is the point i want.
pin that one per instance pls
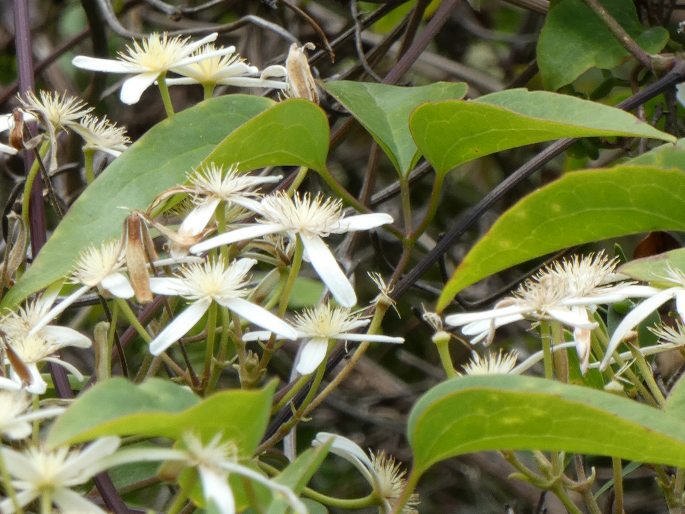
(30, 178)
(618, 485)
(133, 319)
(208, 90)
(292, 277)
(299, 384)
(546, 336)
(299, 178)
(648, 375)
(46, 502)
(433, 203)
(166, 98)
(211, 338)
(223, 351)
(88, 157)
(442, 342)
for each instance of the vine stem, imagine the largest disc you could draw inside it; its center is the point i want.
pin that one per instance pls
(166, 97)
(618, 485)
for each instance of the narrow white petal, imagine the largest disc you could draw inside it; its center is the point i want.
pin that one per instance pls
(233, 236)
(9, 385)
(7, 149)
(108, 65)
(327, 268)
(37, 385)
(88, 462)
(251, 82)
(582, 337)
(133, 87)
(22, 467)
(216, 490)
(24, 498)
(191, 47)
(350, 451)
(275, 70)
(465, 318)
(633, 318)
(371, 338)
(66, 365)
(118, 285)
(198, 218)
(181, 81)
(234, 70)
(259, 316)
(18, 430)
(179, 326)
(363, 222)
(59, 309)
(257, 335)
(249, 203)
(65, 336)
(243, 265)
(571, 318)
(476, 327)
(618, 294)
(69, 501)
(680, 303)
(6, 121)
(166, 286)
(311, 356)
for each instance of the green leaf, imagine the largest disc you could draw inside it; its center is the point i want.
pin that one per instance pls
(580, 207)
(655, 268)
(664, 156)
(574, 39)
(157, 161)
(297, 475)
(503, 412)
(384, 111)
(158, 408)
(675, 403)
(291, 133)
(453, 132)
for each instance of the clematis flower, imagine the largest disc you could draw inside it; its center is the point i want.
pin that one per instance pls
(567, 291)
(211, 281)
(30, 340)
(214, 462)
(38, 472)
(319, 326)
(149, 59)
(16, 414)
(208, 187)
(491, 363)
(381, 471)
(97, 266)
(229, 69)
(101, 134)
(308, 220)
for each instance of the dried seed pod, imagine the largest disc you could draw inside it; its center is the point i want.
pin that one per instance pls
(301, 83)
(136, 258)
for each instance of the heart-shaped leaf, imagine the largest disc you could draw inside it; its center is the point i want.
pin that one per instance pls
(503, 412)
(384, 111)
(453, 132)
(664, 156)
(159, 408)
(655, 268)
(580, 207)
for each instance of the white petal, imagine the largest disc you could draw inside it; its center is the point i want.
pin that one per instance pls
(257, 335)
(476, 327)
(234, 70)
(259, 316)
(22, 466)
(571, 318)
(118, 285)
(7, 149)
(371, 338)
(37, 385)
(327, 268)
(311, 356)
(243, 265)
(65, 336)
(233, 236)
(133, 87)
(166, 286)
(6, 122)
(465, 318)
(66, 365)
(275, 70)
(350, 451)
(251, 82)
(18, 430)
(9, 385)
(614, 295)
(70, 502)
(216, 490)
(59, 309)
(198, 218)
(363, 222)
(633, 318)
(191, 47)
(183, 81)
(24, 498)
(680, 303)
(582, 337)
(88, 462)
(108, 65)
(179, 326)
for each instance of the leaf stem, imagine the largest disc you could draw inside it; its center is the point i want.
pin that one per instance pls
(166, 98)
(88, 157)
(28, 184)
(618, 485)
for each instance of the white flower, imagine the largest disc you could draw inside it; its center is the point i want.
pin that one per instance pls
(658, 297)
(228, 69)
(101, 134)
(491, 363)
(97, 266)
(16, 415)
(214, 461)
(37, 471)
(567, 291)
(209, 186)
(147, 60)
(308, 219)
(319, 326)
(381, 471)
(59, 111)
(207, 282)
(29, 340)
